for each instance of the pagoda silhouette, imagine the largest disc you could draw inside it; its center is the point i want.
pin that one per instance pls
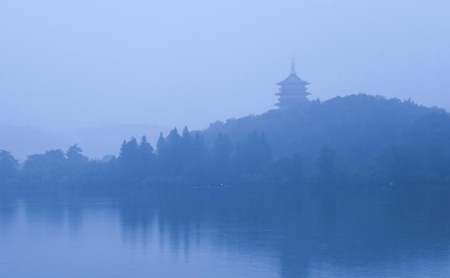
(293, 91)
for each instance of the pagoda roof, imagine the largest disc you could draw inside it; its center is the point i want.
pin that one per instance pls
(293, 79)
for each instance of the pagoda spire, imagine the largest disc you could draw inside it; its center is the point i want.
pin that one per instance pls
(293, 66)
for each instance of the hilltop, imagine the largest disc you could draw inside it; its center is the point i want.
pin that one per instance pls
(360, 123)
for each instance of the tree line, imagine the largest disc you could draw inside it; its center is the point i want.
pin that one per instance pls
(185, 160)
(180, 159)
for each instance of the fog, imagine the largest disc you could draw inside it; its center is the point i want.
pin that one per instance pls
(68, 65)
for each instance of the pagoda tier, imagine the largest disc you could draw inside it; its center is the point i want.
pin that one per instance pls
(292, 90)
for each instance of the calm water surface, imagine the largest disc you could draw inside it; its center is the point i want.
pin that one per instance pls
(200, 233)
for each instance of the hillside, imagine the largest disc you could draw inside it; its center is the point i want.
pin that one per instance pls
(367, 125)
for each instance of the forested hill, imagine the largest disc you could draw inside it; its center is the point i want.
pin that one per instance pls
(360, 125)
(349, 141)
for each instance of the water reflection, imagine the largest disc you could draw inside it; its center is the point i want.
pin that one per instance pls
(234, 234)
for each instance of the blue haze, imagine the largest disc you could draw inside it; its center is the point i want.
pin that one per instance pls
(75, 64)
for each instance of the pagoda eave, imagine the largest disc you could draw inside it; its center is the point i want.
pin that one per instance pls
(293, 94)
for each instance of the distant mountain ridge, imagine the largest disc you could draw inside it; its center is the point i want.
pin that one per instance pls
(22, 141)
(96, 142)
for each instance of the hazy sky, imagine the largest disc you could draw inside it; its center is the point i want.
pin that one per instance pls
(69, 64)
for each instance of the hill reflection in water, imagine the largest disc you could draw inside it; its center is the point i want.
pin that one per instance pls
(226, 233)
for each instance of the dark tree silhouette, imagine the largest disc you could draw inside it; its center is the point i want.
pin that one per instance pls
(46, 169)
(147, 158)
(8, 167)
(75, 154)
(255, 154)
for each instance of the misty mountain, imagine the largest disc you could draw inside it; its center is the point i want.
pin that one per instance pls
(24, 141)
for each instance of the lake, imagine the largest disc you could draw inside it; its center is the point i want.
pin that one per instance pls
(226, 233)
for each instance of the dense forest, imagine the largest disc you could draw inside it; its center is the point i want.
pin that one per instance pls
(355, 141)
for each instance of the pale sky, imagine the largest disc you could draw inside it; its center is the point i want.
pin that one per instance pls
(72, 64)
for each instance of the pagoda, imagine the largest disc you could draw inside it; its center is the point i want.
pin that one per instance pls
(293, 91)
